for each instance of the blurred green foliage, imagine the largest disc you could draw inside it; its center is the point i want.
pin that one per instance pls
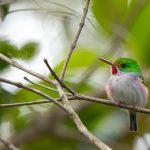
(109, 13)
(108, 123)
(26, 52)
(141, 35)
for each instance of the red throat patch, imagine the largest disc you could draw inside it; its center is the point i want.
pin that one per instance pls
(114, 70)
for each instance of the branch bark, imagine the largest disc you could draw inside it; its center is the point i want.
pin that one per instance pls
(74, 97)
(81, 127)
(73, 115)
(8, 145)
(19, 66)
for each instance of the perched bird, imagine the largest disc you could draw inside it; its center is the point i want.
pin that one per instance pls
(126, 86)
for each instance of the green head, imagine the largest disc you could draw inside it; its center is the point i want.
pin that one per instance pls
(127, 65)
(124, 65)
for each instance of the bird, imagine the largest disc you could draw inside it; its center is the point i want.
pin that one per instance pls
(126, 86)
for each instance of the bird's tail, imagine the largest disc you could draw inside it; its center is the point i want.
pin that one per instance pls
(133, 122)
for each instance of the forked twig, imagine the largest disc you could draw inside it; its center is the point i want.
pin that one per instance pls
(20, 85)
(73, 115)
(57, 79)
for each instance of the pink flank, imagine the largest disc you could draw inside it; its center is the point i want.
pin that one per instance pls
(144, 90)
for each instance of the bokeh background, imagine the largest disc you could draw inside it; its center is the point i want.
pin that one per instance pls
(33, 30)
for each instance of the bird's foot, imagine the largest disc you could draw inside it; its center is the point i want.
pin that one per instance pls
(119, 103)
(134, 107)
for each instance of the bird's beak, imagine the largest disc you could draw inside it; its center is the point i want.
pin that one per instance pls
(107, 61)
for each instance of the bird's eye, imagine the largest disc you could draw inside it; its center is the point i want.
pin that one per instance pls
(123, 65)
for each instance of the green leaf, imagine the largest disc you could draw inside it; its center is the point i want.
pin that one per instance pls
(28, 50)
(25, 96)
(110, 13)
(5, 96)
(9, 50)
(81, 58)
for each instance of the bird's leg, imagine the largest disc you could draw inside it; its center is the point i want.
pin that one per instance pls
(134, 107)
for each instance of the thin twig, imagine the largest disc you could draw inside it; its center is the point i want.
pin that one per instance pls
(40, 85)
(56, 77)
(73, 45)
(8, 145)
(61, 13)
(24, 103)
(19, 66)
(32, 102)
(74, 12)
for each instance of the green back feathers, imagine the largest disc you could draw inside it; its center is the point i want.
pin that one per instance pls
(128, 65)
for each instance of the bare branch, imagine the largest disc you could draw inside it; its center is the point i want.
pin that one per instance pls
(73, 45)
(32, 103)
(56, 13)
(57, 79)
(19, 66)
(73, 115)
(75, 118)
(24, 104)
(40, 85)
(75, 97)
(8, 145)
(20, 85)
(81, 97)
(112, 103)
(67, 108)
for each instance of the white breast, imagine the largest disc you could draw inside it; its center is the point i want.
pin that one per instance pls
(127, 89)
